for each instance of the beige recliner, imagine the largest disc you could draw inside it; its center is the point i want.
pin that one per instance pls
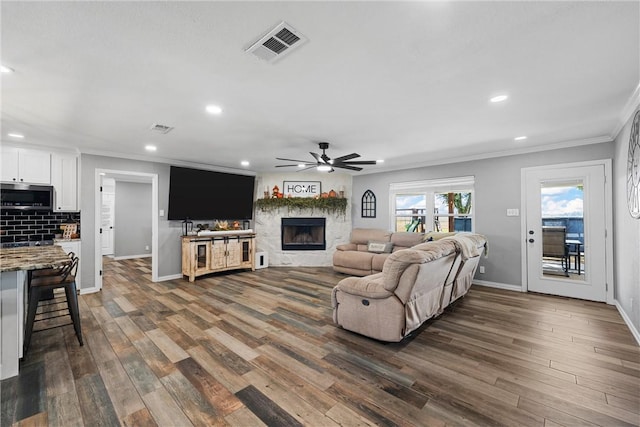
(472, 246)
(355, 258)
(415, 284)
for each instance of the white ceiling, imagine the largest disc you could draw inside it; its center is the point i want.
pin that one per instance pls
(408, 82)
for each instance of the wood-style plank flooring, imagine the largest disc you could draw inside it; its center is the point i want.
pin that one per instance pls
(260, 348)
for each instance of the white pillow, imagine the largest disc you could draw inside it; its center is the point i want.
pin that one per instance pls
(379, 247)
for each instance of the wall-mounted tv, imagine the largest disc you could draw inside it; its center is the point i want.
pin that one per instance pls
(206, 195)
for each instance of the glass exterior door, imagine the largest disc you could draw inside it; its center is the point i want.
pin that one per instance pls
(566, 232)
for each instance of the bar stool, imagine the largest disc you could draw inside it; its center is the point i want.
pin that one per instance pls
(50, 271)
(41, 285)
(47, 272)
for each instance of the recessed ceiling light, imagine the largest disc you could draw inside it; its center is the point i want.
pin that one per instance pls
(324, 168)
(16, 135)
(6, 70)
(380, 161)
(499, 98)
(150, 147)
(244, 163)
(520, 138)
(301, 165)
(213, 109)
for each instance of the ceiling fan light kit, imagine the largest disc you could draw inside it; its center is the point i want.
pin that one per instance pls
(324, 163)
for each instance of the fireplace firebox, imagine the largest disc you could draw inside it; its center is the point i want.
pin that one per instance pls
(303, 234)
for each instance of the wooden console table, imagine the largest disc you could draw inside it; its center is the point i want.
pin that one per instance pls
(217, 251)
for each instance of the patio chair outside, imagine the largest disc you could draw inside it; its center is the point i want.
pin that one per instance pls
(554, 246)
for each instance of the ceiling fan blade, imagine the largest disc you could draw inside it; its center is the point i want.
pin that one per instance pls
(347, 157)
(346, 166)
(317, 157)
(342, 162)
(310, 167)
(361, 162)
(292, 160)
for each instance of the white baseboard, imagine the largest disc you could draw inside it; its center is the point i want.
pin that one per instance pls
(92, 290)
(627, 320)
(119, 258)
(498, 285)
(170, 277)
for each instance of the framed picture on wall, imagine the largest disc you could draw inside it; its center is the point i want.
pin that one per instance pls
(301, 188)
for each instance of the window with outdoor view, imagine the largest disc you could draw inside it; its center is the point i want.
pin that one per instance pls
(452, 211)
(410, 212)
(434, 205)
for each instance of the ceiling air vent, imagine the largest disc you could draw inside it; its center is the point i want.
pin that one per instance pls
(161, 128)
(278, 42)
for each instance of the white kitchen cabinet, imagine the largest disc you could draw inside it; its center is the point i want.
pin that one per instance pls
(9, 164)
(72, 246)
(24, 165)
(64, 178)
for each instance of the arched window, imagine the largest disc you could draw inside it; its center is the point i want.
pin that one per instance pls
(368, 204)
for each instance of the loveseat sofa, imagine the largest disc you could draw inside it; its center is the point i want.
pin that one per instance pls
(415, 284)
(368, 248)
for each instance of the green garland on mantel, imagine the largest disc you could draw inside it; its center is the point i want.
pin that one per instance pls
(328, 204)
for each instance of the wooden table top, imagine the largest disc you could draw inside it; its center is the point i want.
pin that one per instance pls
(32, 258)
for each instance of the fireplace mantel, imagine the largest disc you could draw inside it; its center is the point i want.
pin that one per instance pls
(332, 205)
(269, 239)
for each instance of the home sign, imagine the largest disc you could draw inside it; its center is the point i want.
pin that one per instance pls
(301, 188)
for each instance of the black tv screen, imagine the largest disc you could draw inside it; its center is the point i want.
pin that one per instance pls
(206, 195)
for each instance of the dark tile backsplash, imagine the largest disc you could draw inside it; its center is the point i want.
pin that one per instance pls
(20, 226)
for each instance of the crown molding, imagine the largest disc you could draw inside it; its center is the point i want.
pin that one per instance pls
(168, 161)
(32, 146)
(495, 154)
(627, 112)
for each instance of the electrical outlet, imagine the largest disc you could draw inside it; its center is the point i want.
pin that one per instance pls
(146, 248)
(482, 269)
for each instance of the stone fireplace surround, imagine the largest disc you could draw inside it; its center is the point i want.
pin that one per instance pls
(267, 224)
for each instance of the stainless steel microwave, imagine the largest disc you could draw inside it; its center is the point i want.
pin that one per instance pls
(26, 197)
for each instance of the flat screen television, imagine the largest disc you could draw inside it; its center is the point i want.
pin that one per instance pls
(207, 195)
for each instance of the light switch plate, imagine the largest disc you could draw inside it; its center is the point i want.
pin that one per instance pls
(513, 212)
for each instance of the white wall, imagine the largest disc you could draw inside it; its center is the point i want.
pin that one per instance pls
(497, 188)
(627, 237)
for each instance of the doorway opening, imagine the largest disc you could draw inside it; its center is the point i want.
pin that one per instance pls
(126, 216)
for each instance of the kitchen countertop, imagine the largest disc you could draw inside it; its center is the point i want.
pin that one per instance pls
(32, 258)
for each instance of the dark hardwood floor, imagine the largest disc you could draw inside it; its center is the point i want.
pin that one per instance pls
(260, 348)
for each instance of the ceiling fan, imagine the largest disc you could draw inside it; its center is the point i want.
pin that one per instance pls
(326, 164)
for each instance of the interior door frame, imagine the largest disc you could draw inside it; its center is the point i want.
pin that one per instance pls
(608, 201)
(154, 221)
(102, 193)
